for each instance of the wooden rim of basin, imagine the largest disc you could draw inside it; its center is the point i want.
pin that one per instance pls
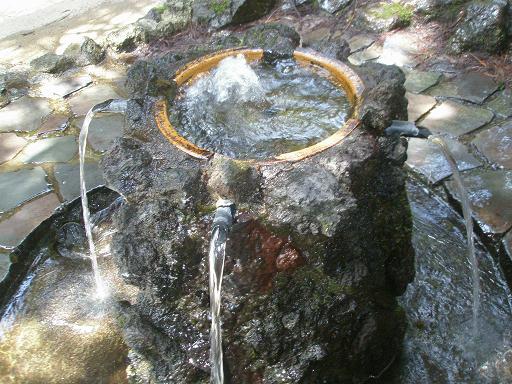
(344, 75)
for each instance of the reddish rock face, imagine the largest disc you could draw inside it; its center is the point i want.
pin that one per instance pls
(258, 255)
(289, 259)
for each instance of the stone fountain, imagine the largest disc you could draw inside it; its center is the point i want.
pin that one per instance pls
(320, 251)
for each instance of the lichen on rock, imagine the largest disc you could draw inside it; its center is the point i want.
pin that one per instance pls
(484, 27)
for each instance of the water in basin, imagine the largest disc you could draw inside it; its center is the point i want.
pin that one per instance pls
(257, 110)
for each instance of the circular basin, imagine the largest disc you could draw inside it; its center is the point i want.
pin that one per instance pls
(343, 76)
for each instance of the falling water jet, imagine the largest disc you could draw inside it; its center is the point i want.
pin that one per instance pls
(221, 224)
(112, 105)
(466, 211)
(409, 129)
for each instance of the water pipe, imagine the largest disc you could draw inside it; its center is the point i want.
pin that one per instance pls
(224, 215)
(408, 129)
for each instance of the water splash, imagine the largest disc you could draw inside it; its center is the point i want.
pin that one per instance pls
(107, 106)
(232, 79)
(466, 211)
(257, 109)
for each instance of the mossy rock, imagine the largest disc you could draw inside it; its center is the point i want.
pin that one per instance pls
(484, 28)
(384, 16)
(220, 13)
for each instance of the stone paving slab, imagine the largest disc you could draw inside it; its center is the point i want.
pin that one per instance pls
(24, 114)
(358, 42)
(52, 150)
(68, 179)
(54, 87)
(55, 123)
(10, 145)
(315, 35)
(501, 104)
(5, 263)
(472, 86)
(20, 186)
(496, 144)
(84, 100)
(17, 227)
(490, 193)
(427, 159)
(419, 81)
(419, 105)
(399, 49)
(104, 129)
(456, 119)
(371, 53)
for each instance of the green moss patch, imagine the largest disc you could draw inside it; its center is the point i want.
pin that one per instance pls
(219, 6)
(403, 12)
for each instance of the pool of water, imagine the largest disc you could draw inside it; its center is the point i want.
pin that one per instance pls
(54, 329)
(440, 346)
(258, 110)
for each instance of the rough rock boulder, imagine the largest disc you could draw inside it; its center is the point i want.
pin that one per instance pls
(320, 250)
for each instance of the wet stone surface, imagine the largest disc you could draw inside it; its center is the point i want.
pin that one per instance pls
(426, 158)
(68, 179)
(82, 101)
(472, 86)
(419, 105)
(55, 149)
(24, 114)
(20, 186)
(10, 145)
(501, 103)
(456, 119)
(104, 129)
(14, 229)
(496, 144)
(438, 303)
(490, 193)
(419, 81)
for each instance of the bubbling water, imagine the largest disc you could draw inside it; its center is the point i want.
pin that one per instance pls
(233, 79)
(258, 110)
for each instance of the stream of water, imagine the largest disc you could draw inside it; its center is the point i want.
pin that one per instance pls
(108, 106)
(216, 258)
(439, 345)
(466, 211)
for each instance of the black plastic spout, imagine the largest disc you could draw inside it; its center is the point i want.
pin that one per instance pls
(111, 105)
(224, 215)
(407, 129)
